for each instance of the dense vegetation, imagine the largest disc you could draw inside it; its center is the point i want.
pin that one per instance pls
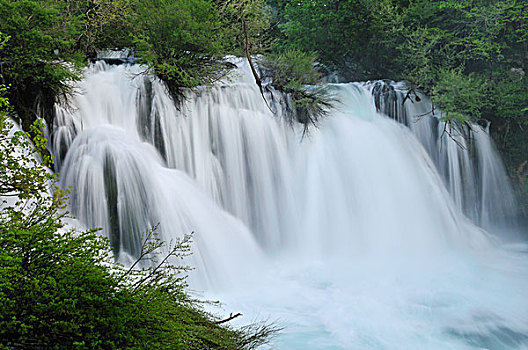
(470, 56)
(290, 72)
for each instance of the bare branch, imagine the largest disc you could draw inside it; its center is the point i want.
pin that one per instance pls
(230, 318)
(253, 70)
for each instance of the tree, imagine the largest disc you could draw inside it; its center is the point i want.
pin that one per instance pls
(42, 39)
(354, 37)
(291, 72)
(179, 40)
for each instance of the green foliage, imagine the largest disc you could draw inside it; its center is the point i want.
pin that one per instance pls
(429, 43)
(353, 37)
(417, 52)
(183, 42)
(21, 176)
(291, 72)
(179, 40)
(332, 29)
(257, 16)
(459, 96)
(506, 107)
(42, 36)
(293, 67)
(107, 24)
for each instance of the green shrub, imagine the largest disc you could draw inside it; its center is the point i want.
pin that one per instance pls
(458, 95)
(294, 73)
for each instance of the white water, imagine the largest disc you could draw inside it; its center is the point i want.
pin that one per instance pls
(464, 155)
(350, 239)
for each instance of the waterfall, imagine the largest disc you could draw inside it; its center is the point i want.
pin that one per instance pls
(366, 233)
(463, 154)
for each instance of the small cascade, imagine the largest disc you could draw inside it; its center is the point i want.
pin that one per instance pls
(463, 154)
(497, 200)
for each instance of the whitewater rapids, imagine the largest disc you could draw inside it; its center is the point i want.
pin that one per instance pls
(366, 234)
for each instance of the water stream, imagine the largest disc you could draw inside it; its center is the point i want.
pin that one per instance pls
(378, 230)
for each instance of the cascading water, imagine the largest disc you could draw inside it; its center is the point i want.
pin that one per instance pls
(463, 154)
(351, 238)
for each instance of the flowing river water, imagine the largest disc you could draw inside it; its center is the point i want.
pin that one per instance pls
(383, 228)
